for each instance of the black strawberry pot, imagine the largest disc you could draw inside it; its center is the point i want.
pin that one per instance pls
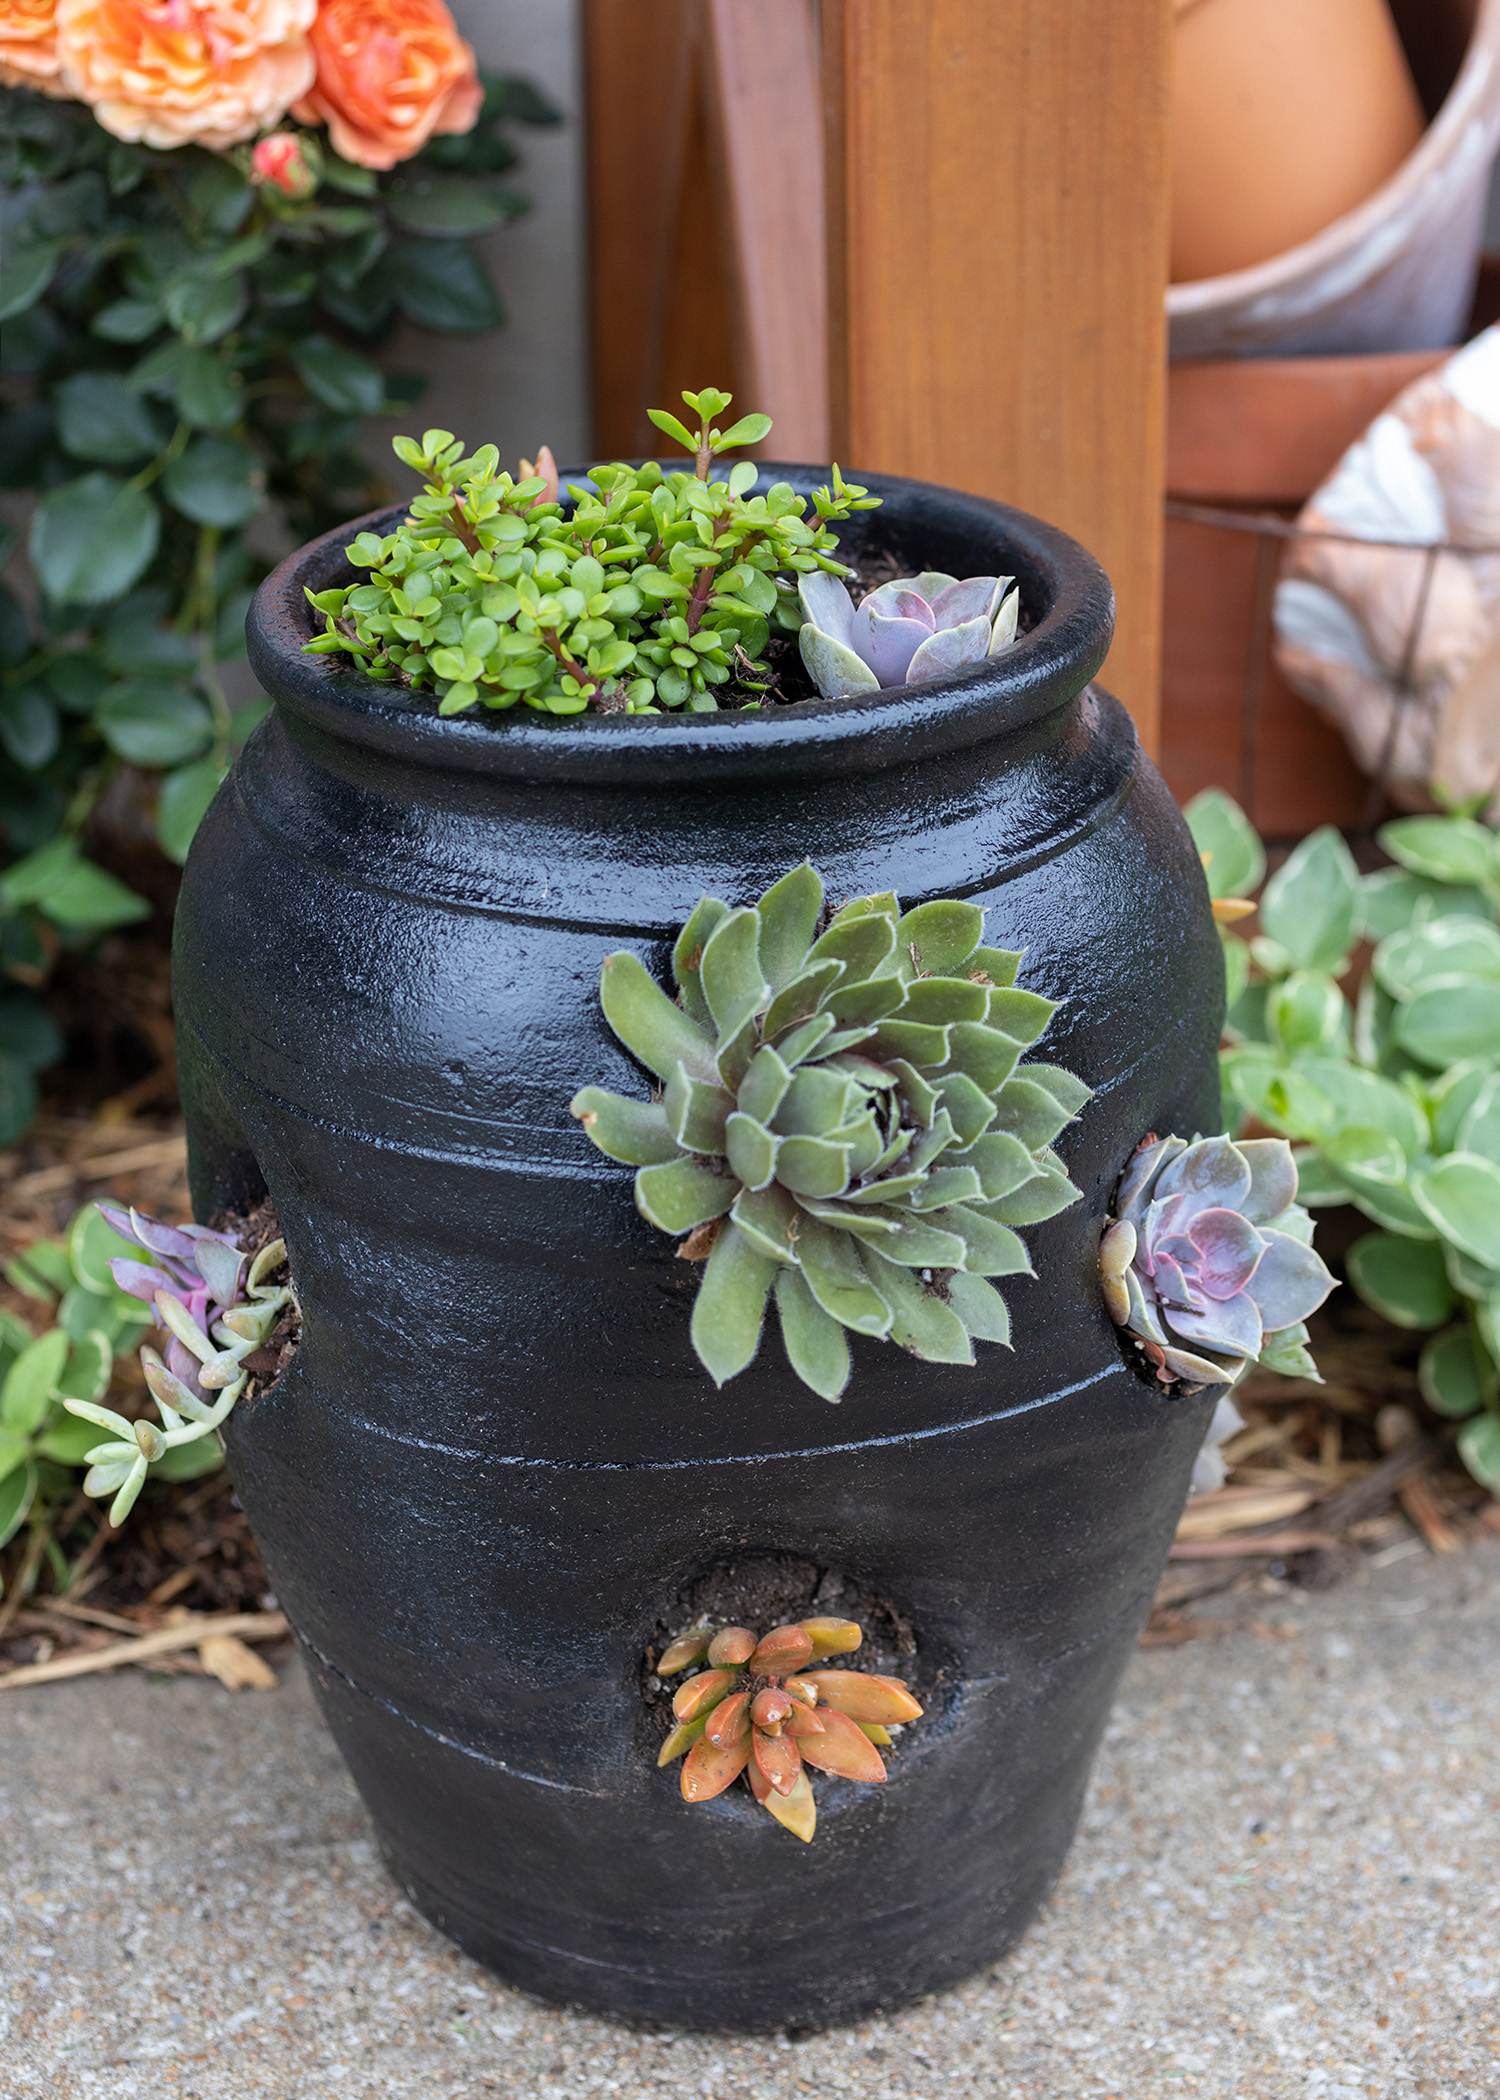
(496, 1473)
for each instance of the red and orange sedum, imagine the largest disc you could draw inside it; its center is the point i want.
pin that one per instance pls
(170, 73)
(390, 74)
(761, 1708)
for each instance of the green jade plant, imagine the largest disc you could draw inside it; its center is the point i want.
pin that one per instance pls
(845, 1123)
(651, 592)
(1390, 1096)
(759, 1707)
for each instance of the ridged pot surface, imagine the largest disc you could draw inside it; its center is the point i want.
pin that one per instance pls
(495, 1460)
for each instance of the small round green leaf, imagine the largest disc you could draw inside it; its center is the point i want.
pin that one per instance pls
(1455, 1375)
(1479, 1448)
(1460, 1195)
(1234, 859)
(1405, 1280)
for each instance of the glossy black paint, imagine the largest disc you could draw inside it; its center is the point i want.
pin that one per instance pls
(495, 1456)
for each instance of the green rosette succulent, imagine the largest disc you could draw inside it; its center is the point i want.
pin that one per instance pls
(846, 1123)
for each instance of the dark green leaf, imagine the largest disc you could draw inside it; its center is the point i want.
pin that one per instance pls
(447, 207)
(18, 1099)
(15, 636)
(100, 418)
(28, 1032)
(29, 728)
(25, 435)
(136, 641)
(181, 802)
(154, 725)
(215, 482)
(441, 285)
(342, 381)
(220, 195)
(207, 392)
(91, 539)
(202, 309)
(70, 890)
(127, 321)
(26, 274)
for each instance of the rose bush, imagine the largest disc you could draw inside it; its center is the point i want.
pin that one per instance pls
(28, 46)
(172, 72)
(390, 74)
(187, 338)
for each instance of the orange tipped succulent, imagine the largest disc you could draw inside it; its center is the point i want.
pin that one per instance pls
(762, 1707)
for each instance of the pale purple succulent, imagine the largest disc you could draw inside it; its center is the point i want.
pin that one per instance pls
(906, 632)
(1208, 1261)
(202, 1270)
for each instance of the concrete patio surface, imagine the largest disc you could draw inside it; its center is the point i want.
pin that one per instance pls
(1286, 1887)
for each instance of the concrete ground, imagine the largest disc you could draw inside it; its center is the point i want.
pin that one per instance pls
(1286, 1887)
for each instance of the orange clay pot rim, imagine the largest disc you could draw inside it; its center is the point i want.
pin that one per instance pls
(1471, 102)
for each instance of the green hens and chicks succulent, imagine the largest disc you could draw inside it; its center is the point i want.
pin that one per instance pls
(845, 1123)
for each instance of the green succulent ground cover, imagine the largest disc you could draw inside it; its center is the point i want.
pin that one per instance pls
(847, 1124)
(1392, 1095)
(650, 590)
(92, 1324)
(181, 350)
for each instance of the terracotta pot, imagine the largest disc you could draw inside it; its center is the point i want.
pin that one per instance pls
(1255, 436)
(1394, 272)
(496, 1462)
(1285, 115)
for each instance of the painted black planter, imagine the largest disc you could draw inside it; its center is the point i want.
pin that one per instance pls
(495, 1458)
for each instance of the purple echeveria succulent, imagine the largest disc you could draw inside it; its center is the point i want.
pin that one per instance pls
(216, 1312)
(906, 632)
(201, 1269)
(1208, 1261)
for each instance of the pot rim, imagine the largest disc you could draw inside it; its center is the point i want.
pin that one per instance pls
(1458, 141)
(1042, 672)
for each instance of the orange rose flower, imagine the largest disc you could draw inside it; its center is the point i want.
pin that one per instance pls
(169, 71)
(390, 74)
(28, 46)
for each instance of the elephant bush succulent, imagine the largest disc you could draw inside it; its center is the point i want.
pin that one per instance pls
(1208, 1263)
(761, 1706)
(908, 631)
(653, 590)
(845, 1123)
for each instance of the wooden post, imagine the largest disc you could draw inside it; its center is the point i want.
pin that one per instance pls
(706, 201)
(998, 199)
